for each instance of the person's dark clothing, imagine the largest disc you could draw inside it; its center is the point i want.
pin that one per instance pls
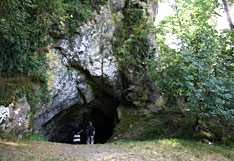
(90, 130)
(77, 130)
(76, 135)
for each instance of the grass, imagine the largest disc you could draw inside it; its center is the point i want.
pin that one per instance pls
(170, 123)
(159, 149)
(135, 126)
(1, 157)
(176, 149)
(34, 137)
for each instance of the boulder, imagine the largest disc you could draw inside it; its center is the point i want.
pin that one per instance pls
(15, 118)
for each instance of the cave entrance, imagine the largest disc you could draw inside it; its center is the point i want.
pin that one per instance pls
(102, 113)
(103, 124)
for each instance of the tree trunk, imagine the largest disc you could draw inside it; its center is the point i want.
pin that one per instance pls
(226, 8)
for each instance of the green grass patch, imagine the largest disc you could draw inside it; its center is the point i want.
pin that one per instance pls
(167, 124)
(8, 136)
(33, 137)
(1, 157)
(170, 123)
(178, 149)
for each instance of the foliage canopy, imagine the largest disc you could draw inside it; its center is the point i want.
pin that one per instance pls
(198, 72)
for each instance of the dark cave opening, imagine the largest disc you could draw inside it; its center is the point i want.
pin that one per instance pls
(102, 112)
(104, 126)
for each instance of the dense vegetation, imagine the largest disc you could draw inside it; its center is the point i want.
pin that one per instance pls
(131, 44)
(27, 27)
(194, 76)
(198, 72)
(197, 75)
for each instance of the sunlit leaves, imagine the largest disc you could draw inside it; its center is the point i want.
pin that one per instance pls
(200, 70)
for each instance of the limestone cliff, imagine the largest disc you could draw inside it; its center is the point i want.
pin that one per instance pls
(85, 80)
(84, 73)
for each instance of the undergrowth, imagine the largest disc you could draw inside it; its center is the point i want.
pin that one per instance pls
(170, 123)
(131, 45)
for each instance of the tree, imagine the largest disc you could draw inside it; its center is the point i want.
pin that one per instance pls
(199, 72)
(226, 8)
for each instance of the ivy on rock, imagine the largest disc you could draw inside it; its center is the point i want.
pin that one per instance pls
(27, 28)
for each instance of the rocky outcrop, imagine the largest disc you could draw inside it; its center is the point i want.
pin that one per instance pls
(81, 70)
(66, 86)
(140, 90)
(91, 51)
(84, 74)
(14, 118)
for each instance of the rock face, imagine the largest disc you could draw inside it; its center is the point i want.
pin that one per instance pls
(85, 81)
(117, 5)
(91, 51)
(15, 118)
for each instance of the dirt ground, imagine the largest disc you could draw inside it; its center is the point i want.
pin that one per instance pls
(54, 151)
(168, 150)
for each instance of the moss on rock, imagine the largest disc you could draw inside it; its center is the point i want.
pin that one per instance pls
(135, 125)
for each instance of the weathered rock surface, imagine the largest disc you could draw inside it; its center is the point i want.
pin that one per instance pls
(91, 51)
(81, 69)
(84, 76)
(141, 91)
(117, 5)
(63, 85)
(15, 118)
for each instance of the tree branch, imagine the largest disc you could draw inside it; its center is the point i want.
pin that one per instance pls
(226, 8)
(217, 13)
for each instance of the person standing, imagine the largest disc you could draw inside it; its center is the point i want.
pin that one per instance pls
(76, 134)
(90, 133)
